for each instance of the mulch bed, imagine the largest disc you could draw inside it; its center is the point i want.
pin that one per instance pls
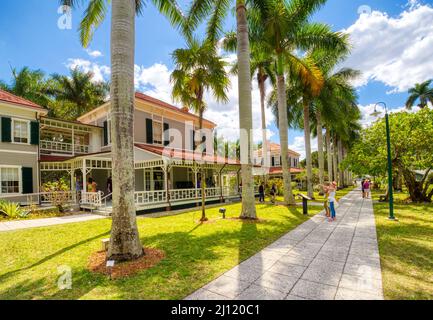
(252, 221)
(98, 260)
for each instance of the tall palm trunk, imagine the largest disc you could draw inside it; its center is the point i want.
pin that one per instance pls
(202, 172)
(261, 82)
(320, 148)
(329, 154)
(340, 159)
(245, 112)
(283, 130)
(334, 157)
(125, 241)
(307, 138)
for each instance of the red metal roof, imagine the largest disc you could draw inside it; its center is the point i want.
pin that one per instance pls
(279, 170)
(186, 154)
(11, 98)
(160, 103)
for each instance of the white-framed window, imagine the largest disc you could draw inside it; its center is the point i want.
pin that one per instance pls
(157, 132)
(277, 161)
(10, 180)
(20, 131)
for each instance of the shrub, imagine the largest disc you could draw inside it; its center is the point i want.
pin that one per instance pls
(13, 210)
(57, 193)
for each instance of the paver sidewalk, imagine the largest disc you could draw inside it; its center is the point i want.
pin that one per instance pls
(26, 224)
(318, 260)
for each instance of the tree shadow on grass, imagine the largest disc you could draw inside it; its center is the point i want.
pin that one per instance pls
(5, 276)
(193, 258)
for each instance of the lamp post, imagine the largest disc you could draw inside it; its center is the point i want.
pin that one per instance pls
(388, 143)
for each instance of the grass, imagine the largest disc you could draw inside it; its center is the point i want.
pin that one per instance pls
(195, 254)
(406, 249)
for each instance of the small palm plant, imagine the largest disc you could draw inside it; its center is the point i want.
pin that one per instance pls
(13, 210)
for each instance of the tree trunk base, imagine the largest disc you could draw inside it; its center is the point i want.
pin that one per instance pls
(125, 257)
(204, 219)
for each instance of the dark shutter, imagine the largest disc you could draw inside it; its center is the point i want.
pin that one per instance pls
(27, 179)
(149, 131)
(193, 140)
(34, 132)
(105, 133)
(6, 129)
(166, 134)
(203, 141)
(273, 161)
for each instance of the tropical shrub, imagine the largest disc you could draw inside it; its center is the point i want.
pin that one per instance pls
(13, 210)
(57, 193)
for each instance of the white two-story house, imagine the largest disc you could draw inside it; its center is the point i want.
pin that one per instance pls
(167, 168)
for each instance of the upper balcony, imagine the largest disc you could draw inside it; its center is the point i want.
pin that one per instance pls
(58, 137)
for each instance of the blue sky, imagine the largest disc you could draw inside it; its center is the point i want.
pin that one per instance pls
(392, 46)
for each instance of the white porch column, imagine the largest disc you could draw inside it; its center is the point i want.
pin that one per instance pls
(84, 176)
(73, 141)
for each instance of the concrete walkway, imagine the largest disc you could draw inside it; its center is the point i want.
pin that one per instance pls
(26, 224)
(319, 260)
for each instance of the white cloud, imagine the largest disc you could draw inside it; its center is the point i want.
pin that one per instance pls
(94, 53)
(368, 110)
(298, 145)
(100, 72)
(394, 51)
(154, 81)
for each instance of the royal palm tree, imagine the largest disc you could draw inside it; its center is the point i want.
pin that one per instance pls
(286, 28)
(80, 91)
(199, 69)
(214, 13)
(124, 241)
(262, 65)
(29, 84)
(422, 92)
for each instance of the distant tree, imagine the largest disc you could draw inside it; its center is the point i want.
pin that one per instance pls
(409, 147)
(29, 84)
(77, 94)
(422, 92)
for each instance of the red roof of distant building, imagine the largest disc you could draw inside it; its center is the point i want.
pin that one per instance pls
(11, 98)
(279, 170)
(186, 154)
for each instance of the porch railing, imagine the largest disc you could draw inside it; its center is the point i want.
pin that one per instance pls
(150, 197)
(43, 198)
(63, 147)
(92, 198)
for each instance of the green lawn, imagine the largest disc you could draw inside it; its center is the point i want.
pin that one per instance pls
(406, 249)
(195, 254)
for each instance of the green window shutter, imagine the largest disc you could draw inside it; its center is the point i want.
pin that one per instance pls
(34, 132)
(203, 141)
(273, 162)
(166, 134)
(27, 179)
(193, 140)
(105, 133)
(6, 129)
(149, 131)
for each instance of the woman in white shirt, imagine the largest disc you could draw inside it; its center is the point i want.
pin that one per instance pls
(332, 200)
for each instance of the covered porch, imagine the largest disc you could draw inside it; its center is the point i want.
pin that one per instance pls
(161, 181)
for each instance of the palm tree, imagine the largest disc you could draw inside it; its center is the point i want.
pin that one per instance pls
(421, 92)
(125, 241)
(79, 90)
(262, 65)
(286, 28)
(198, 70)
(29, 84)
(215, 11)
